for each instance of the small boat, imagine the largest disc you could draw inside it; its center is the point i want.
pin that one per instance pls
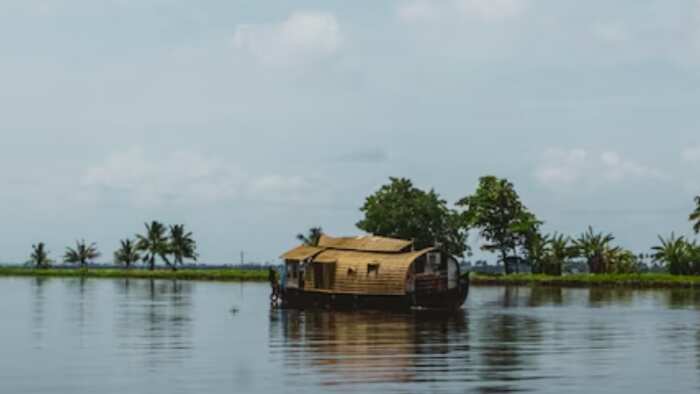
(371, 272)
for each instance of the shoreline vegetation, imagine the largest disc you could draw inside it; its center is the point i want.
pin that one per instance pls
(201, 274)
(633, 281)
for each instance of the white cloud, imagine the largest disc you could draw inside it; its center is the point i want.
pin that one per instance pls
(145, 178)
(437, 10)
(301, 37)
(577, 167)
(691, 154)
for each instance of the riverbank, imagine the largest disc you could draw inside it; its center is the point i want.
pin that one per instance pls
(224, 274)
(586, 280)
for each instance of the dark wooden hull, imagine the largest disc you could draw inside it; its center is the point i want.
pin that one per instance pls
(444, 300)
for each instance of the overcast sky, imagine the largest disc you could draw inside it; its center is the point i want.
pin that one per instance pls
(250, 121)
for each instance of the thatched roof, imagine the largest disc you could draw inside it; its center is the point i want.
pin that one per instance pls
(368, 243)
(302, 252)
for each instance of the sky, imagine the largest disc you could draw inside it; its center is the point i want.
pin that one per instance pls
(251, 121)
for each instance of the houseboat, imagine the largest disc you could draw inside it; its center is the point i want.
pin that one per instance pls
(371, 272)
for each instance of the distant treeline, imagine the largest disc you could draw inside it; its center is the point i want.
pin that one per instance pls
(509, 229)
(171, 245)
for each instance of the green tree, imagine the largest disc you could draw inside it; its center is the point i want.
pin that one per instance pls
(312, 237)
(182, 245)
(153, 244)
(596, 248)
(127, 254)
(502, 219)
(401, 210)
(676, 254)
(533, 244)
(560, 251)
(81, 254)
(695, 216)
(622, 261)
(40, 256)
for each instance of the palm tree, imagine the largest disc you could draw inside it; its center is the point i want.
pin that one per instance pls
(596, 249)
(560, 251)
(182, 246)
(40, 256)
(154, 244)
(695, 216)
(312, 237)
(127, 253)
(82, 254)
(675, 253)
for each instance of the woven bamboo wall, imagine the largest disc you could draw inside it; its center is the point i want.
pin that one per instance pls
(389, 280)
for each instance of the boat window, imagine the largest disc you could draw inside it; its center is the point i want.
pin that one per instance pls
(434, 261)
(373, 269)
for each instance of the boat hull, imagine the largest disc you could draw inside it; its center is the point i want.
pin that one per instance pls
(444, 300)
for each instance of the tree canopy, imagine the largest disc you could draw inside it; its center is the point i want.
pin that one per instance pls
(182, 245)
(40, 256)
(695, 216)
(312, 237)
(401, 210)
(154, 244)
(127, 253)
(502, 219)
(82, 253)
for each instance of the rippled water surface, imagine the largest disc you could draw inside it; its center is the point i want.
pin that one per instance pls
(139, 336)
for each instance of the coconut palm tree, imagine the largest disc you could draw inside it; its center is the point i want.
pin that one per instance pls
(127, 254)
(596, 249)
(40, 256)
(154, 244)
(81, 254)
(695, 216)
(312, 237)
(182, 246)
(675, 253)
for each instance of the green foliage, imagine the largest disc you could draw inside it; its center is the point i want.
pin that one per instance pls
(597, 249)
(312, 237)
(400, 210)
(40, 256)
(695, 216)
(502, 219)
(633, 280)
(81, 254)
(154, 244)
(127, 254)
(680, 256)
(558, 253)
(182, 245)
(226, 274)
(621, 261)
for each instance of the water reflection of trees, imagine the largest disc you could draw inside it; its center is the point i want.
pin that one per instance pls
(38, 309)
(155, 316)
(605, 296)
(371, 347)
(81, 296)
(508, 340)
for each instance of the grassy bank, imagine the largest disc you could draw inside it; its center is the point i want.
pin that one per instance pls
(232, 274)
(586, 280)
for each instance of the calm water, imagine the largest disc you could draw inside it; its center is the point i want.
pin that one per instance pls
(137, 336)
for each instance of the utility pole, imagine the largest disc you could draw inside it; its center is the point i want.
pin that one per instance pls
(242, 257)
